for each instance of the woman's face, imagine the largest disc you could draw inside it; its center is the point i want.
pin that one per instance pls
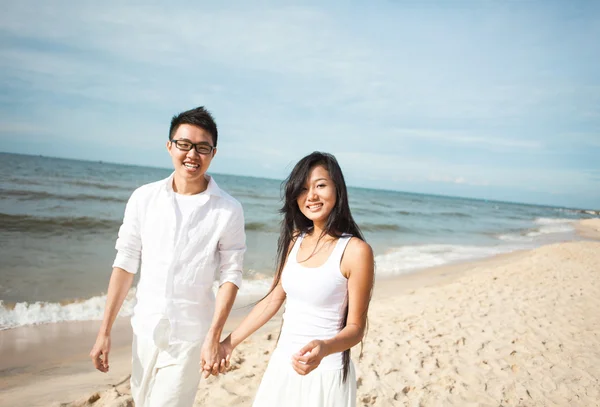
(318, 196)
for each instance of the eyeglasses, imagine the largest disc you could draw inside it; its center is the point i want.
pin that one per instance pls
(201, 148)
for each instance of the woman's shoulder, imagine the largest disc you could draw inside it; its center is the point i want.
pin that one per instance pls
(358, 248)
(357, 258)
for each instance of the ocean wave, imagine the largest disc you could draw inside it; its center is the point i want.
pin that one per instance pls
(406, 213)
(455, 214)
(24, 181)
(81, 183)
(23, 313)
(262, 227)
(382, 227)
(269, 198)
(55, 225)
(546, 227)
(407, 259)
(507, 237)
(584, 212)
(41, 195)
(552, 226)
(92, 309)
(430, 214)
(381, 204)
(553, 221)
(100, 185)
(60, 224)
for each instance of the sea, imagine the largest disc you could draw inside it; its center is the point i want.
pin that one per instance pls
(59, 220)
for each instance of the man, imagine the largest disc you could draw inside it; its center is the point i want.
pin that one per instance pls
(177, 231)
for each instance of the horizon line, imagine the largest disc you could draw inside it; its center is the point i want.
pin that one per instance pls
(281, 180)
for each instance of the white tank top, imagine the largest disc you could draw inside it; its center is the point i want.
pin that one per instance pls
(315, 305)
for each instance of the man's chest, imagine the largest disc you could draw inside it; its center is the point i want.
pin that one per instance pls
(198, 233)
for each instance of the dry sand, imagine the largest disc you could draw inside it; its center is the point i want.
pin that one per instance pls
(589, 228)
(518, 329)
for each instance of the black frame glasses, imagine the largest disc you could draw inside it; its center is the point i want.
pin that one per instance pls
(206, 148)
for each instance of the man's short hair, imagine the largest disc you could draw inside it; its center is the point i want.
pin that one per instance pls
(199, 117)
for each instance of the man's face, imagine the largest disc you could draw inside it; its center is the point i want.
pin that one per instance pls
(191, 165)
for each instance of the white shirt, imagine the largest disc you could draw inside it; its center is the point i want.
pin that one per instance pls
(184, 207)
(178, 269)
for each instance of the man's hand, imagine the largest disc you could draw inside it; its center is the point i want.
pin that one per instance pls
(212, 357)
(100, 351)
(309, 357)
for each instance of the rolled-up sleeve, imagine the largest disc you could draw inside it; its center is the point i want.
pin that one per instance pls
(232, 247)
(129, 242)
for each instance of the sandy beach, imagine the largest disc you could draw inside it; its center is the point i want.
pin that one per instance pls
(515, 329)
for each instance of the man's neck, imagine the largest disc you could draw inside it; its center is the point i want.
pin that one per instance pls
(184, 187)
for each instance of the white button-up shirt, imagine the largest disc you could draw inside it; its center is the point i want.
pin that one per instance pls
(178, 270)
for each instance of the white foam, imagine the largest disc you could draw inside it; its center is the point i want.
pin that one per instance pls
(544, 227)
(553, 221)
(48, 312)
(410, 258)
(515, 238)
(92, 309)
(552, 226)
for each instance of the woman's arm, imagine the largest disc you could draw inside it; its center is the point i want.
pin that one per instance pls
(260, 315)
(359, 267)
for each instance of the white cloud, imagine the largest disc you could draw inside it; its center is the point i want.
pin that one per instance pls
(449, 179)
(284, 81)
(313, 55)
(394, 169)
(580, 139)
(15, 128)
(464, 137)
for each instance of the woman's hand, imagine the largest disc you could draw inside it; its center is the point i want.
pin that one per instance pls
(309, 357)
(226, 350)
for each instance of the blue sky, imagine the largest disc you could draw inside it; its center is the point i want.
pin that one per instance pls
(485, 99)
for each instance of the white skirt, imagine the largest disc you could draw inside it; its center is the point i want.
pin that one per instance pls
(281, 386)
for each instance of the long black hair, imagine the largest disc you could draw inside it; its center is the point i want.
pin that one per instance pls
(294, 223)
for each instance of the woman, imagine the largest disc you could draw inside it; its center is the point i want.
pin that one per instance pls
(325, 271)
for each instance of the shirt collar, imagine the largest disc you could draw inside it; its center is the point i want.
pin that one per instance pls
(212, 188)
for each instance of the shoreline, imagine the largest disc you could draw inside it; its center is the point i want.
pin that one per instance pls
(392, 262)
(48, 364)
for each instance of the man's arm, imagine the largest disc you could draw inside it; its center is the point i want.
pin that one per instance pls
(126, 264)
(212, 357)
(232, 246)
(118, 287)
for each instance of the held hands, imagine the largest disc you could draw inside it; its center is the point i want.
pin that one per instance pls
(215, 356)
(100, 351)
(309, 357)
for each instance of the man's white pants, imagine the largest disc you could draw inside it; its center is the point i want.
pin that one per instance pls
(164, 374)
